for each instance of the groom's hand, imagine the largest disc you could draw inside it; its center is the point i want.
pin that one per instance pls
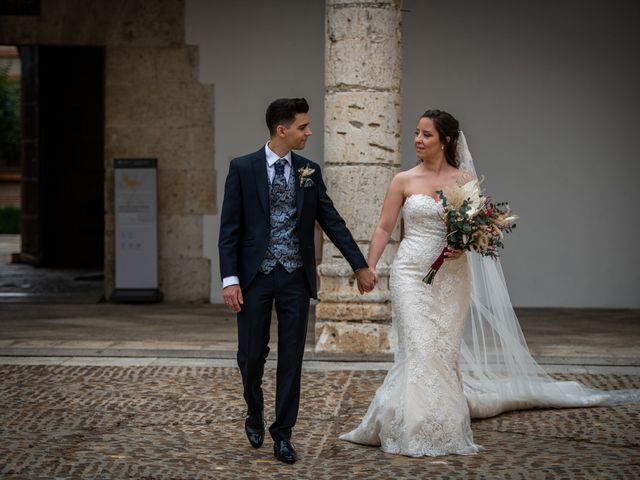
(233, 297)
(367, 279)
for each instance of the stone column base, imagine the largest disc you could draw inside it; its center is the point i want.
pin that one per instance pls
(352, 337)
(354, 327)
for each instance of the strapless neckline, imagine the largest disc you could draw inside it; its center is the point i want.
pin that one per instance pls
(421, 195)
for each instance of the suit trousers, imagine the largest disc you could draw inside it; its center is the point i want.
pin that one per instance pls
(290, 292)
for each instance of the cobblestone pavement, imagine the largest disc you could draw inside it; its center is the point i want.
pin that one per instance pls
(186, 422)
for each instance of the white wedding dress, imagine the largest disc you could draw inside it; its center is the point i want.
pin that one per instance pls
(421, 409)
(459, 350)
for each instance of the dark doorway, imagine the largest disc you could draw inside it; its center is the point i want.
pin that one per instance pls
(63, 156)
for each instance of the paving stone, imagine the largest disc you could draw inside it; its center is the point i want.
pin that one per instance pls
(158, 422)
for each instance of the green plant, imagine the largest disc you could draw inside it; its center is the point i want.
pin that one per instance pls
(9, 220)
(9, 118)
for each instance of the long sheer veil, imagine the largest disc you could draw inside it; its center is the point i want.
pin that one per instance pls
(498, 371)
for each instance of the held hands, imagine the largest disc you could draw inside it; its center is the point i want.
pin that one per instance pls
(233, 297)
(367, 279)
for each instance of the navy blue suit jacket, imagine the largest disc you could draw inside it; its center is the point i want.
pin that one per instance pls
(245, 219)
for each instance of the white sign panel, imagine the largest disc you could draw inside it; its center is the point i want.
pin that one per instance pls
(136, 224)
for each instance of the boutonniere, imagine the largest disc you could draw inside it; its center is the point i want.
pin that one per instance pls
(304, 173)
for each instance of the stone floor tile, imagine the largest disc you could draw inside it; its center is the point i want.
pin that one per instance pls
(108, 361)
(187, 422)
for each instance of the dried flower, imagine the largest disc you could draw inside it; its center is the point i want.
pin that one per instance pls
(304, 173)
(473, 222)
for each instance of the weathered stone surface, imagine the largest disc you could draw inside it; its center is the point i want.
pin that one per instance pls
(200, 146)
(187, 192)
(128, 65)
(363, 48)
(185, 147)
(201, 192)
(362, 152)
(177, 64)
(333, 263)
(161, 104)
(185, 279)
(373, 311)
(352, 337)
(98, 22)
(150, 23)
(343, 288)
(361, 128)
(358, 193)
(172, 191)
(180, 236)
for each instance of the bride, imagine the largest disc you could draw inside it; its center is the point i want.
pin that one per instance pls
(459, 350)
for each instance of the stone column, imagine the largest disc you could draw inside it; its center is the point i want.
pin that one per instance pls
(362, 152)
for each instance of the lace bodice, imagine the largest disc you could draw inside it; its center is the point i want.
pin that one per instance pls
(424, 231)
(423, 217)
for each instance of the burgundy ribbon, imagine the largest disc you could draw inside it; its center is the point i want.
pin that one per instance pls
(440, 260)
(435, 266)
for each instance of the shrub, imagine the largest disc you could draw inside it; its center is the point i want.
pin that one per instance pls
(9, 119)
(10, 220)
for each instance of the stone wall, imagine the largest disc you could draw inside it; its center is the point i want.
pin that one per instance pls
(154, 107)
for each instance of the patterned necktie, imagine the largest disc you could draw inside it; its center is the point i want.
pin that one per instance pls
(279, 183)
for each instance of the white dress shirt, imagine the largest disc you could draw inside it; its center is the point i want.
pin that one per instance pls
(272, 158)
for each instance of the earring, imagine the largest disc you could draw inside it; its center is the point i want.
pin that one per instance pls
(442, 147)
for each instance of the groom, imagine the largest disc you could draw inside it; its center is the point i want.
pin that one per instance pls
(272, 199)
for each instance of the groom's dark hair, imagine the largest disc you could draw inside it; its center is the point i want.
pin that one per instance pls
(283, 112)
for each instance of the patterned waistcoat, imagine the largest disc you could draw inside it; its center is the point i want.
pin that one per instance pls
(283, 244)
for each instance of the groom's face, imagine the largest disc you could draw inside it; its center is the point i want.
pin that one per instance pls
(296, 134)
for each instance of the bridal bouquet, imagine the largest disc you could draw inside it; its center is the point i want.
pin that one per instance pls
(473, 222)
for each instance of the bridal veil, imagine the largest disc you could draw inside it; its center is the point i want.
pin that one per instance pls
(498, 371)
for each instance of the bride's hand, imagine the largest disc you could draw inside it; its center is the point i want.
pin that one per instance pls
(375, 274)
(452, 254)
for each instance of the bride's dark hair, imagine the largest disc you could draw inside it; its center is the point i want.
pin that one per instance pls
(447, 126)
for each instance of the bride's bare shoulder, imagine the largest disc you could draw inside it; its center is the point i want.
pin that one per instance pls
(406, 175)
(399, 183)
(401, 178)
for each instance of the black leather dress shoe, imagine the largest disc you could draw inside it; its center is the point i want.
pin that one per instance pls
(254, 428)
(283, 450)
